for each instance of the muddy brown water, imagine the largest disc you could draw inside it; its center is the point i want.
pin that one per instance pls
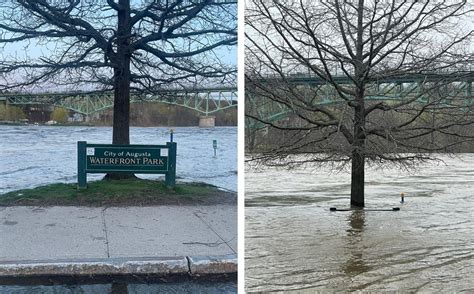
(293, 241)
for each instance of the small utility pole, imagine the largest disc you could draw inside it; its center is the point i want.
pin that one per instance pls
(214, 144)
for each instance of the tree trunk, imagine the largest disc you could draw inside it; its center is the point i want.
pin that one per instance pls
(358, 153)
(121, 126)
(357, 179)
(121, 121)
(358, 144)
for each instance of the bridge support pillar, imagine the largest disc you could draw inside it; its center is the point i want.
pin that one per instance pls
(207, 121)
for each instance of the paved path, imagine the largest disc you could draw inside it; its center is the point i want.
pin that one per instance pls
(51, 234)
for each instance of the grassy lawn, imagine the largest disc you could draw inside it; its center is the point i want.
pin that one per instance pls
(130, 192)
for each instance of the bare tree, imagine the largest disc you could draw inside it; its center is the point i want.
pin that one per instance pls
(359, 81)
(118, 45)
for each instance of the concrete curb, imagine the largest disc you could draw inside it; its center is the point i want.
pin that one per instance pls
(165, 266)
(111, 266)
(202, 265)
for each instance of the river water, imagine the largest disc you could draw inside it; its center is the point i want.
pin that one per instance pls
(122, 288)
(31, 156)
(293, 241)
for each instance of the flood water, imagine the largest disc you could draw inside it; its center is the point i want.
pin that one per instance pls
(293, 241)
(119, 288)
(31, 156)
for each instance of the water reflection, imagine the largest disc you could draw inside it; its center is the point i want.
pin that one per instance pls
(355, 239)
(119, 288)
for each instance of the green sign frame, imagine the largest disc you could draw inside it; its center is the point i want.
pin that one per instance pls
(140, 159)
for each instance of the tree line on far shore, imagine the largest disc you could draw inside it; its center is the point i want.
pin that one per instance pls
(260, 138)
(11, 113)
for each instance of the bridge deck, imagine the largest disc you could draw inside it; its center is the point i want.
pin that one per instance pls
(203, 100)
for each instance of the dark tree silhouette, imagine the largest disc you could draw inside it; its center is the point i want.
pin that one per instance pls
(318, 77)
(116, 45)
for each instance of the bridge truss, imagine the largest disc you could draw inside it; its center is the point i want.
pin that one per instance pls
(205, 100)
(448, 90)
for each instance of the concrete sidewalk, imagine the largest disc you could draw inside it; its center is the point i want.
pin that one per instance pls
(130, 240)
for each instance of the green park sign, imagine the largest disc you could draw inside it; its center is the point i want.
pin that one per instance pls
(141, 159)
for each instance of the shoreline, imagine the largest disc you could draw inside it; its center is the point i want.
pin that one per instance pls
(3, 123)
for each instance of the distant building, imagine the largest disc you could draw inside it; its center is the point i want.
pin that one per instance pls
(76, 117)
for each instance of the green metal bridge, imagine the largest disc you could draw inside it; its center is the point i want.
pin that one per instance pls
(448, 89)
(204, 100)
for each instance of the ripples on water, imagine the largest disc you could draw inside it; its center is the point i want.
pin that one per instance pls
(36, 155)
(293, 241)
(181, 287)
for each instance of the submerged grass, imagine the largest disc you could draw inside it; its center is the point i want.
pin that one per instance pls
(128, 192)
